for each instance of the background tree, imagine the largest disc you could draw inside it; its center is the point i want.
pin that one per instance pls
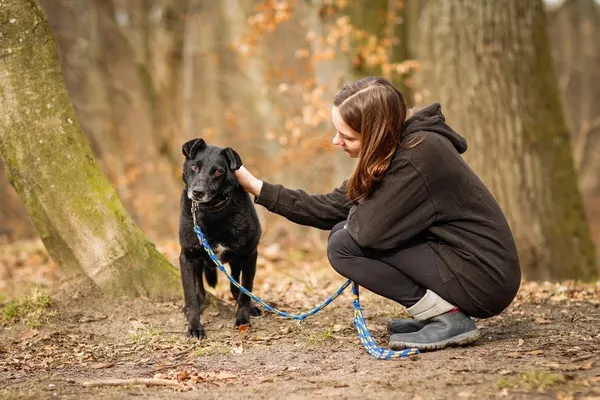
(76, 212)
(260, 76)
(489, 65)
(574, 29)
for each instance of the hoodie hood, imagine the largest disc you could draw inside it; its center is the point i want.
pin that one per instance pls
(431, 119)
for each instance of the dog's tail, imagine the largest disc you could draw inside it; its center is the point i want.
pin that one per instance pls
(211, 276)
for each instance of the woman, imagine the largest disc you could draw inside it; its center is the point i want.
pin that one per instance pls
(413, 223)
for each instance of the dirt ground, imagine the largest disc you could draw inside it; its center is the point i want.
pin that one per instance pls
(546, 345)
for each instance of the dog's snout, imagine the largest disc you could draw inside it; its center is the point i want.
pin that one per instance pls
(198, 193)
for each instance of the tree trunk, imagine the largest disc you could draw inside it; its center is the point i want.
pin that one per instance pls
(489, 65)
(574, 29)
(119, 98)
(73, 207)
(14, 221)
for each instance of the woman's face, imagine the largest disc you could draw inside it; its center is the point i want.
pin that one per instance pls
(345, 137)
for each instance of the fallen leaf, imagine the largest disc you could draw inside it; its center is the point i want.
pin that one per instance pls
(265, 379)
(221, 375)
(533, 352)
(102, 365)
(520, 343)
(29, 334)
(585, 366)
(286, 329)
(138, 325)
(225, 375)
(551, 365)
(182, 376)
(564, 396)
(505, 372)
(237, 350)
(542, 321)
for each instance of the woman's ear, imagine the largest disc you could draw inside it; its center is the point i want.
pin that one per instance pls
(232, 157)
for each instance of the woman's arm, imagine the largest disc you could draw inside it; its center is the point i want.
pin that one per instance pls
(321, 211)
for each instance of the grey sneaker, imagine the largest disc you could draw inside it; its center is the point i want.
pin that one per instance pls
(449, 329)
(404, 326)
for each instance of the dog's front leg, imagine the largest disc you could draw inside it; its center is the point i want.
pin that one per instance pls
(192, 300)
(247, 266)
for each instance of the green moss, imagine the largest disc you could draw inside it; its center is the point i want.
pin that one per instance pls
(32, 309)
(321, 337)
(531, 380)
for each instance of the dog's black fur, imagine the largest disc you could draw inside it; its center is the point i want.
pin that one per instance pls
(227, 218)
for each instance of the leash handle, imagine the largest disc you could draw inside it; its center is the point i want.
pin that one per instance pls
(359, 320)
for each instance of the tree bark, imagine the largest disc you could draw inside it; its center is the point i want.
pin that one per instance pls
(14, 221)
(574, 29)
(73, 207)
(120, 101)
(489, 65)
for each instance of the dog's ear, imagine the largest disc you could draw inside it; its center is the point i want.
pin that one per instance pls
(191, 147)
(232, 157)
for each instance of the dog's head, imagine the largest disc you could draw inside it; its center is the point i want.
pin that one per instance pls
(208, 172)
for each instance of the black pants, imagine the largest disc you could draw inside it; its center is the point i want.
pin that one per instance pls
(404, 274)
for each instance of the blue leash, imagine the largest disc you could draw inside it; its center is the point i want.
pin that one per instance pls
(359, 320)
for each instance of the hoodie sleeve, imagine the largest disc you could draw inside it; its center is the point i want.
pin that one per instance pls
(399, 209)
(321, 211)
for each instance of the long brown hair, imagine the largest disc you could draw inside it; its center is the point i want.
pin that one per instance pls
(374, 108)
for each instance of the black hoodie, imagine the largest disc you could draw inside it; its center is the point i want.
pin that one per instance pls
(428, 192)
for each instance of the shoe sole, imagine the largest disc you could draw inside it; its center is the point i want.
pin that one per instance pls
(458, 340)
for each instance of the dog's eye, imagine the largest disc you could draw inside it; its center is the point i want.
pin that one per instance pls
(218, 173)
(195, 168)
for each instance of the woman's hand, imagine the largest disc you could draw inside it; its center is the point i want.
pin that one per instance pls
(248, 181)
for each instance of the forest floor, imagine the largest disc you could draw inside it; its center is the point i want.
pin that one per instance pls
(546, 345)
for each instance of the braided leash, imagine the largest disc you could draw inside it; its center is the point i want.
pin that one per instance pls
(359, 320)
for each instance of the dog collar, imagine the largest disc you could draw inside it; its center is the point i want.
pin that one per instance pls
(210, 209)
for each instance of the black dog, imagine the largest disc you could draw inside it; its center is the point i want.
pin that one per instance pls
(229, 222)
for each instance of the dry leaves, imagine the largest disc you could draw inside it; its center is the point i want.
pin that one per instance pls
(192, 377)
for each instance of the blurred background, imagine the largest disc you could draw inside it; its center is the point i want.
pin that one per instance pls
(260, 76)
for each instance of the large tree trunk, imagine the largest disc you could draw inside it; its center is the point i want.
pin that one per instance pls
(489, 65)
(14, 221)
(120, 96)
(73, 207)
(574, 29)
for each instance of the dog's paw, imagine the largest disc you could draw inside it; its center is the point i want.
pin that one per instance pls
(242, 317)
(255, 311)
(197, 333)
(239, 321)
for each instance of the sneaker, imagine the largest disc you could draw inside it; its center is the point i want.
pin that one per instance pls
(404, 326)
(450, 329)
